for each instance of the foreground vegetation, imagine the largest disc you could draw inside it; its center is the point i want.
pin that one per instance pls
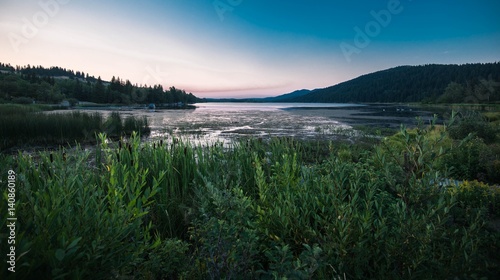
(28, 125)
(268, 210)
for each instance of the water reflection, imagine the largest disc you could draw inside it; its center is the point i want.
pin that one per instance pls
(224, 122)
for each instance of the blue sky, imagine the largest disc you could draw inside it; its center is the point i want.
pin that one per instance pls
(246, 48)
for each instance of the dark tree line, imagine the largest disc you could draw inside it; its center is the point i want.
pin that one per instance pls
(425, 83)
(51, 72)
(52, 85)
(6, 67)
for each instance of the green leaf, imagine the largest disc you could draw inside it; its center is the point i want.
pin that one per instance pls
(60, 254)
(73, 244)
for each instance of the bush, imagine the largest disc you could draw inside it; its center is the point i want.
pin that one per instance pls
(466, 160)
(22, 100)
(225, 237)
(73, 101)
(490, 159)
(474, 195)
(422, 211)
(114, 125)
(253, 210)
(81, 224)
(473, 122)
(167, 259)
(132, 124)
(475, 154)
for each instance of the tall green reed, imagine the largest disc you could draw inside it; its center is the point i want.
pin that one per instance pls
(255, 209)
(79, 221)
(27, 125)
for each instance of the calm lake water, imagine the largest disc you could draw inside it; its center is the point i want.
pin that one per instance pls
(224, 122)
(227, 121)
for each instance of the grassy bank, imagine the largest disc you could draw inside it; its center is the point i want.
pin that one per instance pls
(22, 125)
(256, 210)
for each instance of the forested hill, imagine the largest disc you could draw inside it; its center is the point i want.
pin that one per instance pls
(428, 83)
(53, 85)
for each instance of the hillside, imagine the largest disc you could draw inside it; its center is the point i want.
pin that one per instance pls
(284, 97)
(53, 85)
(428, 83)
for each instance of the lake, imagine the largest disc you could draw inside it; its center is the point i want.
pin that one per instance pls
(224, 122)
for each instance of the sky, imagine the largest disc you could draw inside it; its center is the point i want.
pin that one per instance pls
(246, 48)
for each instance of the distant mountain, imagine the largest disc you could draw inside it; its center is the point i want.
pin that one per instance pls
(425, 83)
(284, 97)
(279, 98)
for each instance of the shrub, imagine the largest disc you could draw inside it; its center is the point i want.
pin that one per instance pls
(284, 265)
(167, 259)
(252, 210)
(475, 156)
(473, 122)
(73, 102)
(474, 195)
(114, 125)
(420, 213)
(466, 159)
(22, 100)
(132, 124)
(81, 224)
(490, 159)
(224, 234)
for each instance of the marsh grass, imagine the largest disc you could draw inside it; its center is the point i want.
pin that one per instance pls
(28, 125)
(14, 109)
(77, 219)
(257, 209)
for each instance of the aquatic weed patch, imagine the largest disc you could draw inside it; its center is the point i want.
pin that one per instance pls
(27, 125)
